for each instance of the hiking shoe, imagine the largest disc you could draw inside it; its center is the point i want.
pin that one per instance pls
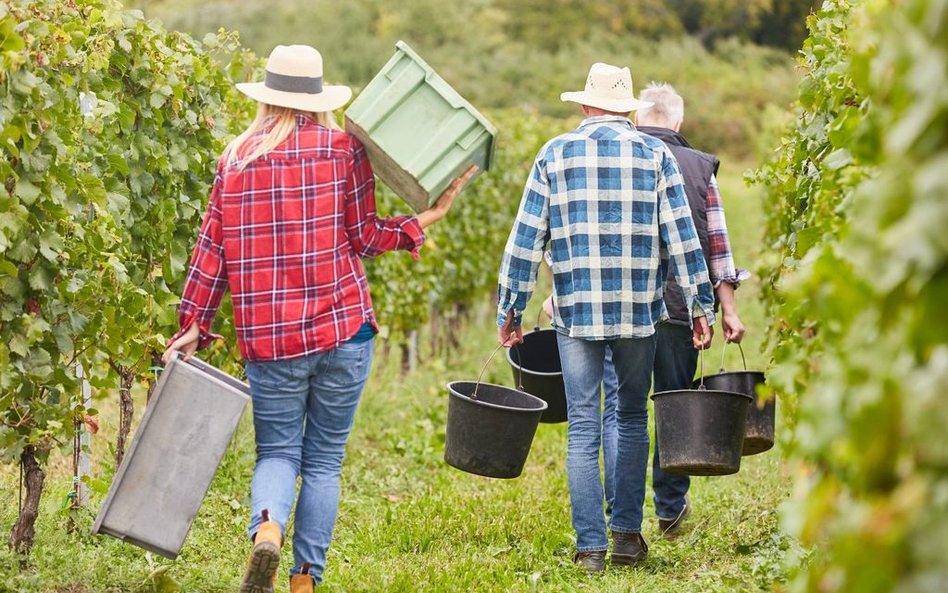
(260, 576)
(671, 528)
(302, 583)
(591, 562)
(628, 548)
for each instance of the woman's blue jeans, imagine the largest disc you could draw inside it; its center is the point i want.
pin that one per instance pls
(675, 363)
(303, 409)
(582, 362)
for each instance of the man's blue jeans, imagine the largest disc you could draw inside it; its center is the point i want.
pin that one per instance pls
(610, 385)
(675, 362)
(583, 362)
(303, 409)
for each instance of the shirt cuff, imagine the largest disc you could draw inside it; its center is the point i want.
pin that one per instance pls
(734, 279)
(699, 311)
(502, 318)
(206, 336)
(416, 235)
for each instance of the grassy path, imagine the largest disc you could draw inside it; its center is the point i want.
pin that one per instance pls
(409, 523)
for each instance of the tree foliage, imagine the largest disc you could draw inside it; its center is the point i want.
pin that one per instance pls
(109, 129)
(522, 55)
(857, 286)
(545, 25)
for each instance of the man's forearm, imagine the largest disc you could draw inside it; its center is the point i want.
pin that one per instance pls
(725, 294)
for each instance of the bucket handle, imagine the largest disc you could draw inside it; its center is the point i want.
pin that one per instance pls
(484, 368)
(519, 372)
(539, 314)
(701, 386)
(536, 328)
(724, 350)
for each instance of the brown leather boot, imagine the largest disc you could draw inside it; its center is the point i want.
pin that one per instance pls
(261, 572)
(628, 548)
(671, 528)
(591, 562)
(302, 583)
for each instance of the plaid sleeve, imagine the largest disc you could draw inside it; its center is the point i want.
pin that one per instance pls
(720, 254)
(680, 238)
(524, 249)
(207, 277)
(368, 234)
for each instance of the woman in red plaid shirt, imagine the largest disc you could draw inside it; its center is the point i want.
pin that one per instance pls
(291, 214)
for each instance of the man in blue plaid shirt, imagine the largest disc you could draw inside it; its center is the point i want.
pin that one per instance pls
(611, 203)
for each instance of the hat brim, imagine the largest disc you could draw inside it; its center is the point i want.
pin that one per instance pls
(614, 105)
(331, 98)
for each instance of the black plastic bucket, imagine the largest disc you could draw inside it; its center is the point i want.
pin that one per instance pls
(761, 416)
(536, 368)
(490, 433)
(700, 432)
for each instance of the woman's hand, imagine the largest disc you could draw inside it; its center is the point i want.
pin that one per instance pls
(186, 343)
(440, 208)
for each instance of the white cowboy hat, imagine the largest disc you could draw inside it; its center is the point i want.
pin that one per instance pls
(609, 88)
(294, 78)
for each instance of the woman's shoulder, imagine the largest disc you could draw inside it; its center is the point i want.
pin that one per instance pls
(329, 142)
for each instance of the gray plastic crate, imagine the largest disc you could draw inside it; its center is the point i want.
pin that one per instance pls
(177, 448)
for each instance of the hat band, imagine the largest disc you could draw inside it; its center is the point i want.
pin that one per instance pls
(293, 84)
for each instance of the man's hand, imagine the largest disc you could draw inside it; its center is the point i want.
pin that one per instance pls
(548, 306)
(507, 335)
(701, 333)
(730, 322)
(733, 328)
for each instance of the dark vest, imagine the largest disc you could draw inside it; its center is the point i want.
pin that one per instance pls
(696, 168)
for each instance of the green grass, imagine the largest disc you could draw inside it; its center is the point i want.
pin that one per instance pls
(408, 522)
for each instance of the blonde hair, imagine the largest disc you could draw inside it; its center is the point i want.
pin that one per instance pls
(668, 107)
(271, 126)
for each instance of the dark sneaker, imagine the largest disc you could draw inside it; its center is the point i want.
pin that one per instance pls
(628, 548)
(591, 562)
(671, 528)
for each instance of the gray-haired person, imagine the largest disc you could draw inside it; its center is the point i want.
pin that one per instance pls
(675, 357)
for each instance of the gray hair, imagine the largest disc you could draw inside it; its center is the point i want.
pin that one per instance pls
(668, 108)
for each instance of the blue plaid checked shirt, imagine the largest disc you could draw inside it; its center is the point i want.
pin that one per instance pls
(611, 203)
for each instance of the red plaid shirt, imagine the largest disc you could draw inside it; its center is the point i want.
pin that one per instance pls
(286, 235)
(721, 268)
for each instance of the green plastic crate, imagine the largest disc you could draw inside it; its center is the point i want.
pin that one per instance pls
(418, 131)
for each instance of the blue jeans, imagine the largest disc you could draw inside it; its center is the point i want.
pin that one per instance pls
(610, 434)
(303, 410)
(675, 362)
(583, 362)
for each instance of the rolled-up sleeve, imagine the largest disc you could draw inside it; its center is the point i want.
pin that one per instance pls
(369, 234)
(524, 250)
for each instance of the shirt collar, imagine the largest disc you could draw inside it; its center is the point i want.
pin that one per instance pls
(304, 118)
(602, 119)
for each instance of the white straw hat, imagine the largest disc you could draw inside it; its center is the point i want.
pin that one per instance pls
(294, 78)
(609, 88)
